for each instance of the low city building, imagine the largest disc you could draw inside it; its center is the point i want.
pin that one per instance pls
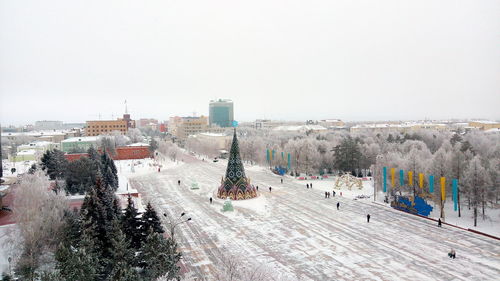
(182, 127)
(79, 144)
(103, 127)
(301, 128)
(221, 141)
(485, 125)
(25, 155)
(48, 125)
(133, 151)
(39, 146)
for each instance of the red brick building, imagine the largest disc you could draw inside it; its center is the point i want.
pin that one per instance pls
(122, 153)
(132, 152)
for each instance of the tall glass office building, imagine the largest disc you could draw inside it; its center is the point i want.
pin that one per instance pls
(221, 113)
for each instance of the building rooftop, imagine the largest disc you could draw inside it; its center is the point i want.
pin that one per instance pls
(300, 128)
(139, 144)
(27, 152)
(81, 139)
(39, 143)
(485, 122)
(39, 133)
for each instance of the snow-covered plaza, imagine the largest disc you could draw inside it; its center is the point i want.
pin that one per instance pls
(299, 234)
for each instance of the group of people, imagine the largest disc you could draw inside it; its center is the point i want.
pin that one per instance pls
(328, 194)
(309, 185)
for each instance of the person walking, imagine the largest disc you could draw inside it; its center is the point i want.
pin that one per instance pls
(311, 185)
(307, 185)
(452, 254)
(326, 194)
(281, 181)
(368, 218)
(338, 205)
(269, 189)
(333, 193)
(257, 188)
(439, 222)
(179, 182)
(210, 200)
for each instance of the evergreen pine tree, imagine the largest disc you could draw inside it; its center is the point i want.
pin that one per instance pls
(99, 211)
(122, 258)
(150, 221)
(160, 257)
(80, 262)
(131, 224)
(93, 154)
(54, 163)
(32, 169)
(109, 171)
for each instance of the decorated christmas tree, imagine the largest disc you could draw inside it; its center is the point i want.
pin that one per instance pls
(235, 185)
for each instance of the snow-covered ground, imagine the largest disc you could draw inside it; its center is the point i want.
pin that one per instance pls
(6, 247)
(302, 235)
(21, 167)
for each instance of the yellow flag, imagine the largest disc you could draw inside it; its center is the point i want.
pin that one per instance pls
(421, 180)
(410, 178)
(443, 191)
(393, 172)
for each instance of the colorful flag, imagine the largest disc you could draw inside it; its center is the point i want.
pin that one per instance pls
(410, 178)
(393, 176)
(385, 178)
(401, 178)
(421, 180)
(455, 194)
(443, 188)
(431, 184)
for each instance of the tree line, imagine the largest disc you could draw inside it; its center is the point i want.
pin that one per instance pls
(472, 157)
(78, 176)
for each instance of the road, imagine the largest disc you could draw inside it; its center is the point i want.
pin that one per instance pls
(298, 233)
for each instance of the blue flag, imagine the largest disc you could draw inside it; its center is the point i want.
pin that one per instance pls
(455, 194)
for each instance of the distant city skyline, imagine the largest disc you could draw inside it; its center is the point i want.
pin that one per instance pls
(352, 60)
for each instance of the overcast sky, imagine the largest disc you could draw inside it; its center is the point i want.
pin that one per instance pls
(287, 60)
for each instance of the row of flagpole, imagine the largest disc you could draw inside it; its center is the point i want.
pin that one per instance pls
(421, 183)
(271, 155)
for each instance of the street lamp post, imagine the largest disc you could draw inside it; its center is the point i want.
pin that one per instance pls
(173, 223)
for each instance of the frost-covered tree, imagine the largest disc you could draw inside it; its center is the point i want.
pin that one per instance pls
(440, 168)
(494, 173)
(107, 144)
(476, 181)
(458, 164)
(38, 213)
(135, 135)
